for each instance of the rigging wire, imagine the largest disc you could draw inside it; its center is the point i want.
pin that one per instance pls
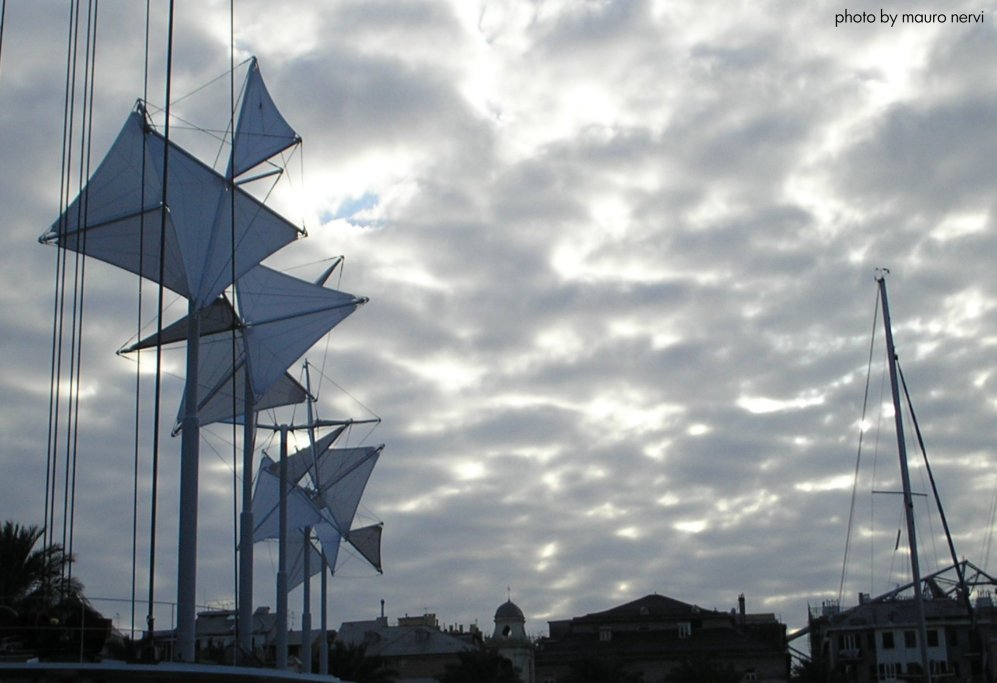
(150, 617)
(934, 487)
(72, 332)
(872, 496)
(990, 528)
(3, 14)
(235, 450)
(86, 149)
(858, 455)
(58, 299)
(138, 331)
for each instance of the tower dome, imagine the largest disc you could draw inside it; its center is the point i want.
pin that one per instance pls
(510, 624)
(509, 611)
(511, 641)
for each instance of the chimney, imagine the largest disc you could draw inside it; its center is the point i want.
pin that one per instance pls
(382, 608)
(740, 606)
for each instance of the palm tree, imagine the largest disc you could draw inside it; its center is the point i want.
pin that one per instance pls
(31, 578)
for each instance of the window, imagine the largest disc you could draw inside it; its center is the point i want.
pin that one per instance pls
(750, 675)
(685, 629)
(888, 671)
(887, 640)
(605, 634)
(847, 641)
(910, 639)
(932, 638)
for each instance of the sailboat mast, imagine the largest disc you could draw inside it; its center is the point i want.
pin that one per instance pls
(908, 498)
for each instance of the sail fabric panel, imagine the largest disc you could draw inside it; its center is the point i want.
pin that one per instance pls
(330, 540)
(218, 317)
(297, 545)
(122, 213)
(284, 317)
(301, 511)
(367, 541)
(116, 218)
(343, 477)
(261, 131)
(303, 461)
(227, 402)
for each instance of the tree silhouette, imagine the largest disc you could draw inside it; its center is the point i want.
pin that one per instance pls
(600, 670)
(351, 663)
(41, 608)
(702, 671)
(480, 666)
(31, 579)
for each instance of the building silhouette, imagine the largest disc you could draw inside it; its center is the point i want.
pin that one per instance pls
(657, 635)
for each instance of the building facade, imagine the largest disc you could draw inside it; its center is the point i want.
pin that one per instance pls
(655, 635)
(878, 639)
(417, 648)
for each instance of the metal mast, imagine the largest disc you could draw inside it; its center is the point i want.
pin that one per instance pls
(905, 479)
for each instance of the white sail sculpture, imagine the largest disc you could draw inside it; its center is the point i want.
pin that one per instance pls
(342, 475)
(262, 132)
(155, 210)
(116, 218)
(280, 318)
(223, 401)
(338, 477)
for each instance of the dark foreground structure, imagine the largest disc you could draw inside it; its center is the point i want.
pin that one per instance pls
(46, 672)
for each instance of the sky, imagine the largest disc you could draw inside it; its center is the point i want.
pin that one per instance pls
(621, 262)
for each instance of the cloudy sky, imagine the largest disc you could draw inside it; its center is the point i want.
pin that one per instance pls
(620, 258)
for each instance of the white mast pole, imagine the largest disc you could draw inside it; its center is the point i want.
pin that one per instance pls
(246, 523)
(306, 612)
(281, 662)
(189, 456)
(323, 646)
(905, 481)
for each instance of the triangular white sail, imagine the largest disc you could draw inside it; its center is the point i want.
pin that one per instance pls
(219, 316)
(303, 461)
(281, 317)
(226, 402)
(284, 317)
(221, 384)
(301, 511)
(261, 131)
(367, 541)
(117, 220)
(343, 475)
(329, 538)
